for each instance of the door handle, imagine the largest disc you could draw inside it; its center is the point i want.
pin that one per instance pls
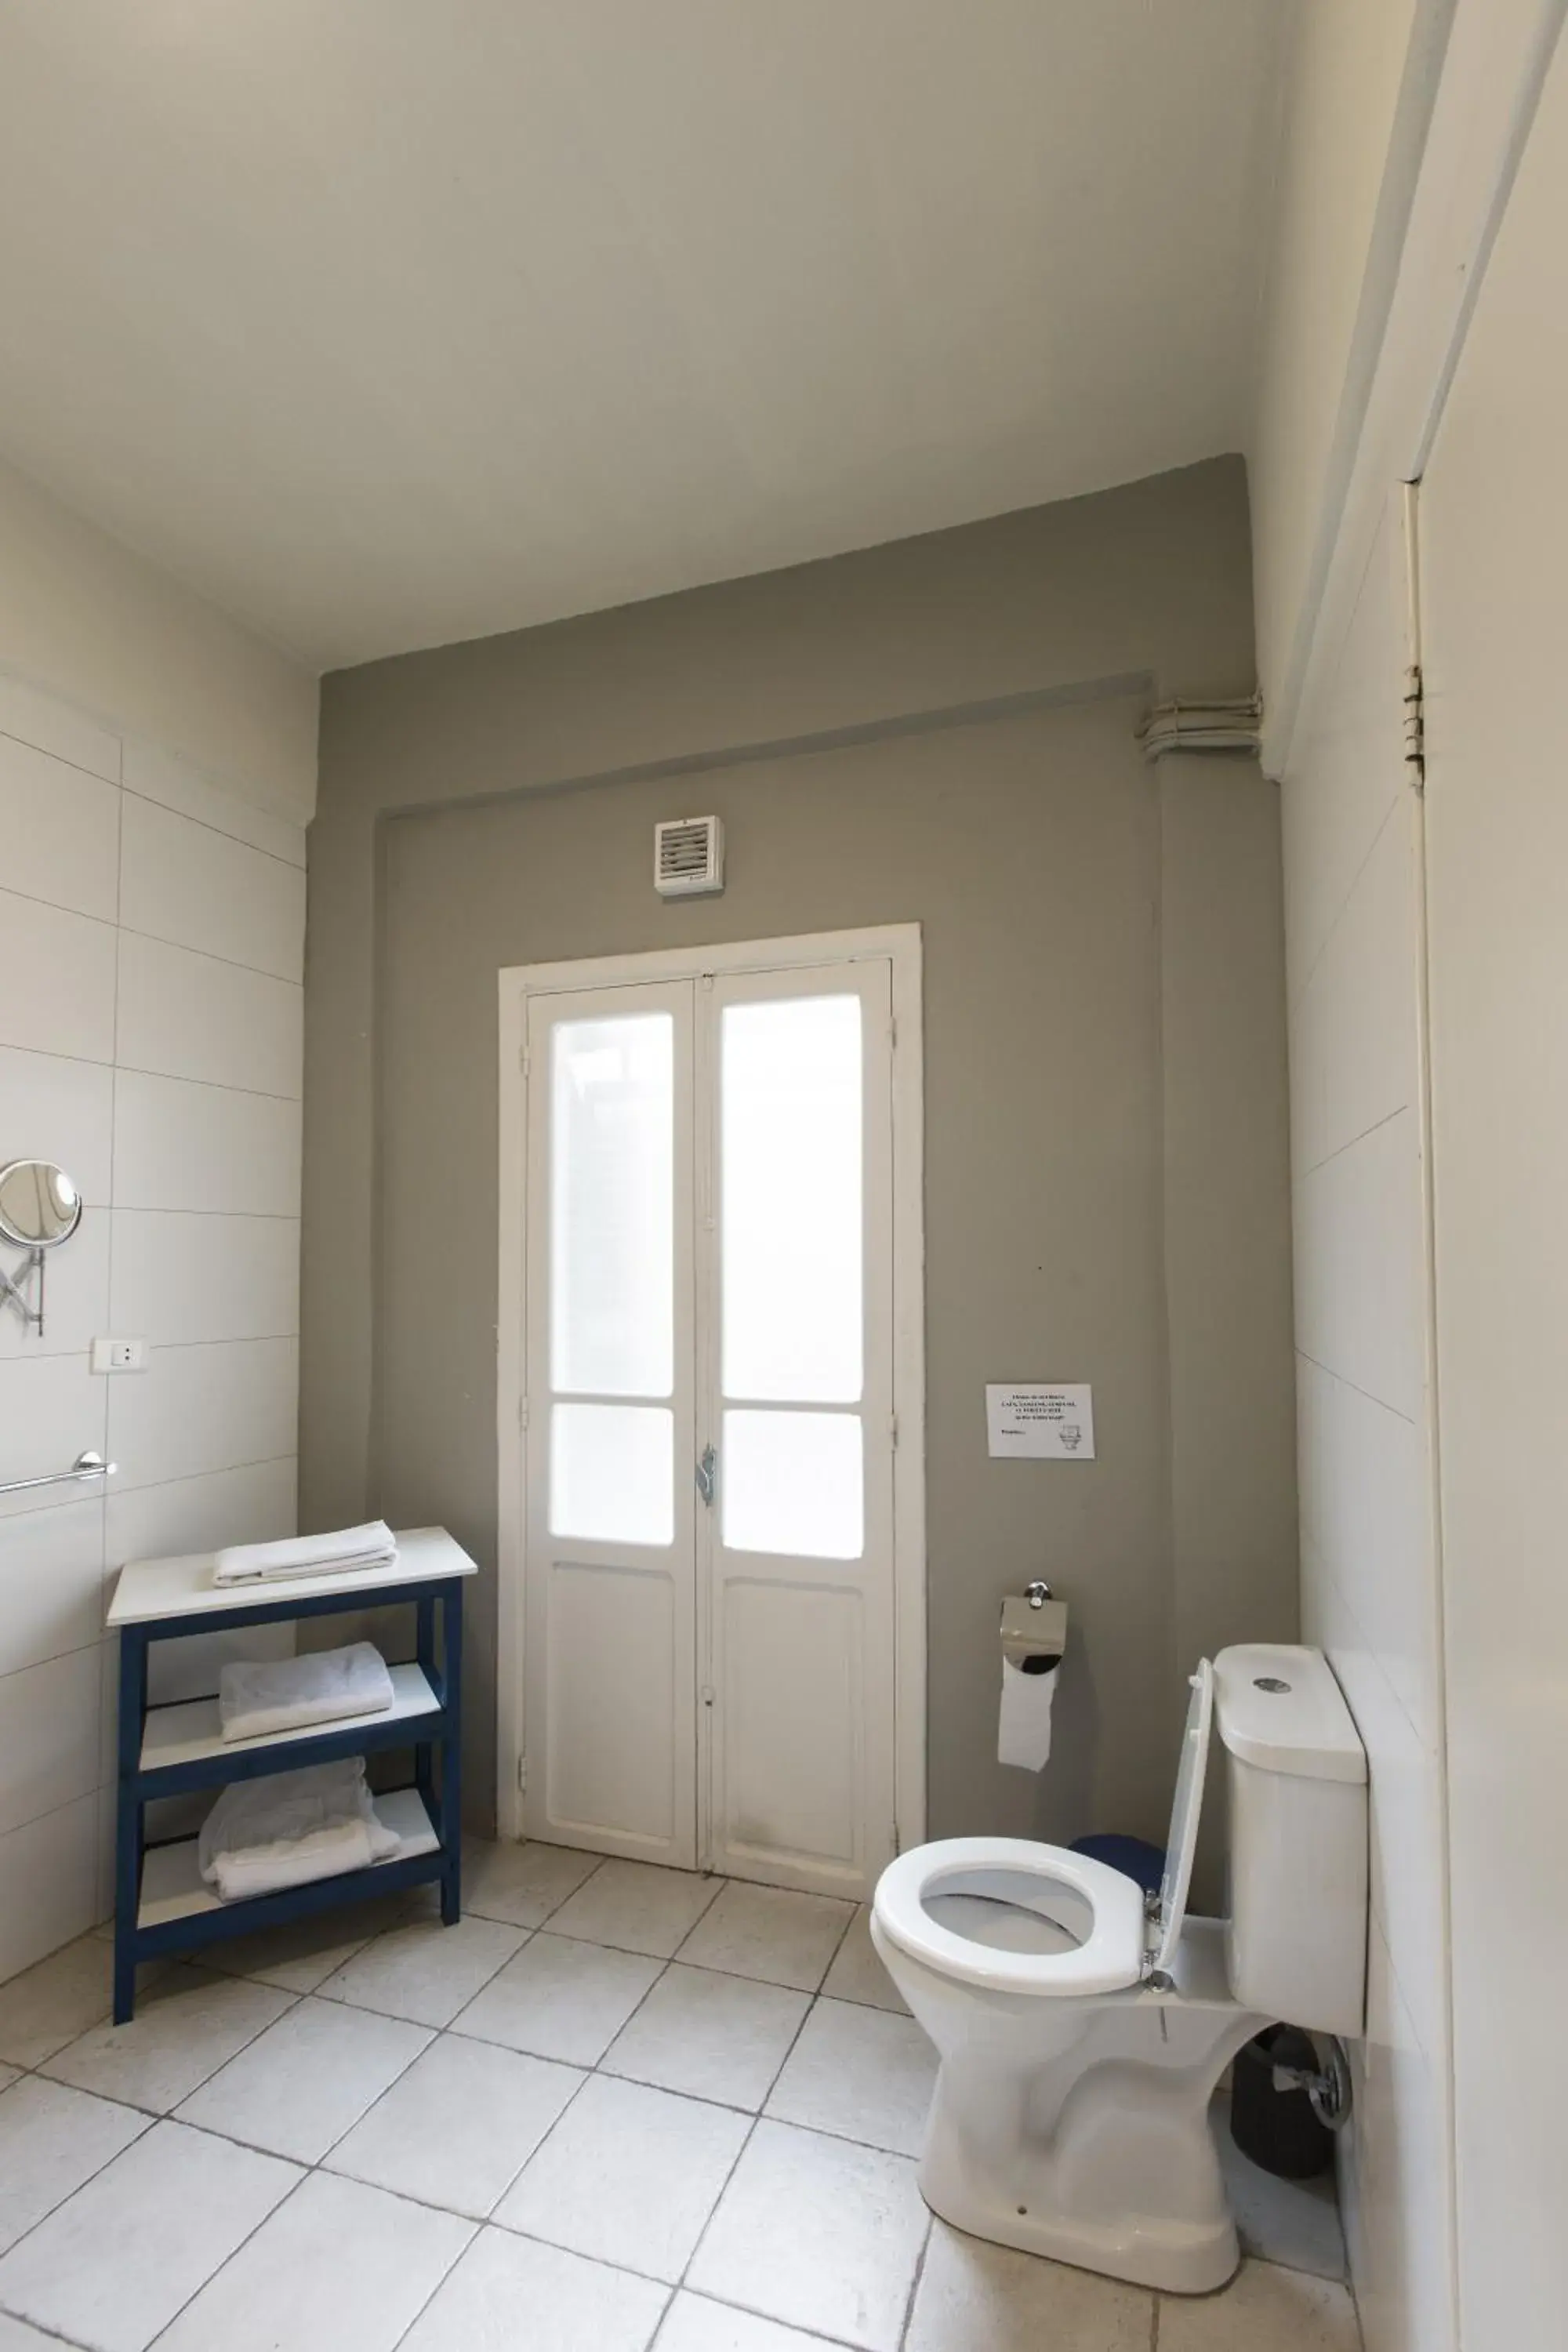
(708, 1476)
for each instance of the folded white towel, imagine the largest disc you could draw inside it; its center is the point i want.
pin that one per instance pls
(371, 1545)
(291, 1828)
(292, 1861)
(282, 1694)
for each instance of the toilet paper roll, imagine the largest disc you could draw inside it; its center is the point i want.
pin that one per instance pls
(1024, 1728)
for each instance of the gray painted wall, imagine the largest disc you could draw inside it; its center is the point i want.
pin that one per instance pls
(939, 731)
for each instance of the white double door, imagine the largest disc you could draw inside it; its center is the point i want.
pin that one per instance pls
(709, 1595)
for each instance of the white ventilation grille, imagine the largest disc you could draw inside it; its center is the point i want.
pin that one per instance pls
(688, 856)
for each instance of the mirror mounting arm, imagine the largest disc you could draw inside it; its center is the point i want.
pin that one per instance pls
(13, 1293)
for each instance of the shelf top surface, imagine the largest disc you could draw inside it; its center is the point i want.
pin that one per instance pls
(151, 1589)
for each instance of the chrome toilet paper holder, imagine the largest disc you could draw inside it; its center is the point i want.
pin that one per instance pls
(1034, 1628)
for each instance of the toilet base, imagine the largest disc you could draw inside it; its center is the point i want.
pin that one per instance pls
(1080, 2129)
(1176, 2258)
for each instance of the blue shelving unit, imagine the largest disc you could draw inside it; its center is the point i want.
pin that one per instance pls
(162, 1904)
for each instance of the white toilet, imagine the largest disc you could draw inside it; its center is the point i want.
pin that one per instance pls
(1081, 2030)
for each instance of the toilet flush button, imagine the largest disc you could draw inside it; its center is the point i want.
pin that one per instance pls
(1268, 1683)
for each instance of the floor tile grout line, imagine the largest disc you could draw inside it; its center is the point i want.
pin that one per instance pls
(307, 2172)
(608, 1943)
(642, 2000)
(844, 2139)
(663, 2322)
(747, 2138)
(812, 1991)
(530, 1928)
(52, 2334)
(165, 2114)
(396, 1928)
(718, 1883)
(617, 2269)
(599, 2262)
(482, 2221)
(838, 1946)
(808, 2014)
(750, 2311)
(434, 2034)
(805, 2017)
(673, 2091)
(306, 2166)
(751, 2131)
(676, 1959)
(541, 2144)
(913, 2296)
(461, 2255)
(698, 2098)
(148, 2122)
(235, 2251)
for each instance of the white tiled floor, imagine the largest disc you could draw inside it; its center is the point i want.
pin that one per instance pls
(618, 2109)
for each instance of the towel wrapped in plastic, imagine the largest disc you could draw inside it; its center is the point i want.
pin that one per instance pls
(342, 1553)
(290, 1827)
(283, 1693)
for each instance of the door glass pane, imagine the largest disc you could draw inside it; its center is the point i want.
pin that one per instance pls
(611, 1201)
(611, 1472)
(790, 1184)
(792, 1483)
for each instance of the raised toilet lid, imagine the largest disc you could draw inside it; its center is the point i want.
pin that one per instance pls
(1185, 1810)
(1016, 1871)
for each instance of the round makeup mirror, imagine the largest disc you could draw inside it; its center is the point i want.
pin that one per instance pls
(39, 1206)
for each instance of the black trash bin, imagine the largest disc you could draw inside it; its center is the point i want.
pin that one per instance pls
(1276, 2128)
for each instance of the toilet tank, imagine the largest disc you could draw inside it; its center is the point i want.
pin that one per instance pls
(1296, 1774)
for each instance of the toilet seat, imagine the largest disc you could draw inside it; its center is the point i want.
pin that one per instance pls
(1110, 1958)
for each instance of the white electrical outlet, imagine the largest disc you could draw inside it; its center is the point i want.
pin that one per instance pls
(120, 1355)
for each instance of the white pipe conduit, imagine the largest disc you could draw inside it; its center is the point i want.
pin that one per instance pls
(1203, 726)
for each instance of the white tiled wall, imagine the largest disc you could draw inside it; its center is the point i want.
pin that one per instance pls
(1369, 1562)
(152, 950)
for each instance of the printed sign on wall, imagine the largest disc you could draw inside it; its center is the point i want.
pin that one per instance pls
(1050, 1425)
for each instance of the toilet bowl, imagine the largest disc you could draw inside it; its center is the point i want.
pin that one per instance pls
(1081, 2030)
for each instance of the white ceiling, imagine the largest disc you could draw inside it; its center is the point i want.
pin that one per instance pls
(389, 322)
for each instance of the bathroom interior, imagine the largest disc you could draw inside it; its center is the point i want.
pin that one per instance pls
(780, 1133)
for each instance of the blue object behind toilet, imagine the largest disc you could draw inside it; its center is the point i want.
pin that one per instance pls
(1135, 1858)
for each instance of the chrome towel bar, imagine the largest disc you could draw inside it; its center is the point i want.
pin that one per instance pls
(86, 1466)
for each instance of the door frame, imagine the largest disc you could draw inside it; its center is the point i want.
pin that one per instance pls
(899, 945)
